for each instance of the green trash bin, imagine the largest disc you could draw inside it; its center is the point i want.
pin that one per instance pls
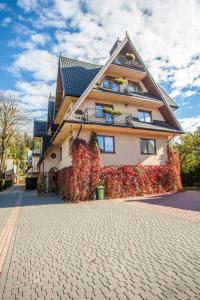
(100, 192)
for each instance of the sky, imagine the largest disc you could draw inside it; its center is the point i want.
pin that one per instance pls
(33, 33)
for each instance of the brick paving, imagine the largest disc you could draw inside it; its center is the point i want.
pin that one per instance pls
(102, 250)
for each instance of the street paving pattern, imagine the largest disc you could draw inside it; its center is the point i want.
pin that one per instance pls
(101, 250)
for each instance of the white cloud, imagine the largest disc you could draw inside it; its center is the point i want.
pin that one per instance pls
(28, 5)
(196, 82)
(6, 21)
(190, 124)
(32, 97)
(40, 63)
(166, 33)
(2, 6)
(189, 93)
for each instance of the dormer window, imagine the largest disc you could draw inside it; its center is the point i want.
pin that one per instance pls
(145, 116)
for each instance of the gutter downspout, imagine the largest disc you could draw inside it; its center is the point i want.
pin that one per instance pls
(171, 137)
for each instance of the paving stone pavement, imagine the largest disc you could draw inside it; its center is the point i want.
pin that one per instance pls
(101, 250)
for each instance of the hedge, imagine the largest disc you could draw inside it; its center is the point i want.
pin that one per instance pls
(5, 183)
(78, 182)
(31, 183)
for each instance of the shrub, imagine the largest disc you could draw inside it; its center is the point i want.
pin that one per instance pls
(31, 183)
(65, 182)
(41, 187)
(81, 165)
(5, 183)
(79, 182)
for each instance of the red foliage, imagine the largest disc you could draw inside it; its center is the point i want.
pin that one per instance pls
(78, 182)
(175, 170)
(81, 165)
(65, 183)
(126, 181)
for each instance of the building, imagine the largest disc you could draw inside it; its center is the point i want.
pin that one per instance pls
(131, 114)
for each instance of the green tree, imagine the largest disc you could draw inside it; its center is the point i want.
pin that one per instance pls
(188, 146)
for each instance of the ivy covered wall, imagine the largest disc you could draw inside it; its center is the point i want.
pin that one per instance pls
(79, 182)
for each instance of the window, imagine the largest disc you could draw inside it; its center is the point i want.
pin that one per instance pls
(134, 87)
(108, 83)
(145, 116)
(60, 153)
(148, 146)
(100, 114)
(106, 143)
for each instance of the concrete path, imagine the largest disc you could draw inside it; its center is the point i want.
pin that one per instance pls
(100, 249)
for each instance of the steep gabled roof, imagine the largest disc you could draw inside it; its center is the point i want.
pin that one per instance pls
(39, 128)
(77, 75)
(169, 99)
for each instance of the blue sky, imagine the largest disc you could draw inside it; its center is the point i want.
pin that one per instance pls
(34, 32)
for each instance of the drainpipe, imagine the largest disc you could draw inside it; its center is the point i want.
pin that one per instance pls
(81, 125)
(171, 137)
(79, 130)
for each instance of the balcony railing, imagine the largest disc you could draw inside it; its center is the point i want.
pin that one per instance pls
(127, 90)
(90, 115)
(123, 61)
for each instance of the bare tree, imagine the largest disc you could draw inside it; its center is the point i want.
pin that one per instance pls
(12, 120)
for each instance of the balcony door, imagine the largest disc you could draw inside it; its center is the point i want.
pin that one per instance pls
(108, 118)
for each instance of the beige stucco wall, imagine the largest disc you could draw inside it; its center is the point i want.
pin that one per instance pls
(66, 157)
(49, 162)
(127, 147)
(129, 108)
(127, 150)
(35, 159)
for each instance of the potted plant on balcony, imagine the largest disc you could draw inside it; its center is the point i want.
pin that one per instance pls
(111, 111)
(130, 56)
(120, 81)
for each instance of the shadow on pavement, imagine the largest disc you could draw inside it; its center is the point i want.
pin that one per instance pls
(189, 200)
(9, 196)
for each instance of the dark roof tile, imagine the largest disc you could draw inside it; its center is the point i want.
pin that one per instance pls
(39, 128)
(77, 75)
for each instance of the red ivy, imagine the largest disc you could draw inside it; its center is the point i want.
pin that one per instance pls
(77, 183)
